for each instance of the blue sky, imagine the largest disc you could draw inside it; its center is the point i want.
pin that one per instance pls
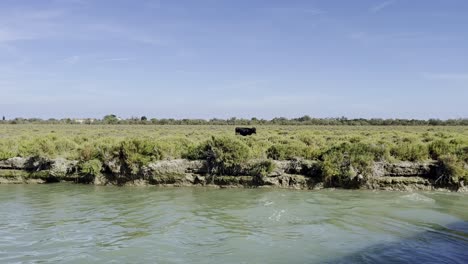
(225, 58)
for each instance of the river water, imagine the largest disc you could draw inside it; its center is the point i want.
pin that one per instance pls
(65, 223)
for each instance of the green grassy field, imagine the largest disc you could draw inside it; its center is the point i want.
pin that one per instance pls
(331, 146)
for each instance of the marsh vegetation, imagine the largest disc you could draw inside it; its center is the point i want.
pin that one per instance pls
(339, 153)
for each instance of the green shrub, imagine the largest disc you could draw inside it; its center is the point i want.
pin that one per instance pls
(410, 152)
(172, 147)
(355, 139)
(226, 154)
(197, 151)
(310, 168)
(65, 147)
(441, 135)
(87, 152)
(6, 154)
(284, 152)
(104, 142)
(36, 147)
(452, 169)
(373, 151)
(336, 168)
(426, 137)
(291, 149)
(135, 153)
(106, 150)
(439, 148)
(91, 167)
(462, 152)
(262, 168)
(310, 139)
(342, 163)
(257, 146)
(7, 149)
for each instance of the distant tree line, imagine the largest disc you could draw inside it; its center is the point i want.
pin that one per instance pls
(304, 120)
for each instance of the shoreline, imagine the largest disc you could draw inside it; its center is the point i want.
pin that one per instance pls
(293, 174)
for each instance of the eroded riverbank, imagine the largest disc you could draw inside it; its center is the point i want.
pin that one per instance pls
(298, 174)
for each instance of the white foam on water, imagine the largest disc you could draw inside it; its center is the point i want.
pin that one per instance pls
(276, 216)
(416, 197)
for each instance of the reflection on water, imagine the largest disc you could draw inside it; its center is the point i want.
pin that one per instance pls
(83, 224)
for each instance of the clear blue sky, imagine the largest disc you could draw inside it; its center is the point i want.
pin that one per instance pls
(225, 58)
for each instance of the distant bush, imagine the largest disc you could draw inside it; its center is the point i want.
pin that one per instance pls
(110, 119)
(304, 120)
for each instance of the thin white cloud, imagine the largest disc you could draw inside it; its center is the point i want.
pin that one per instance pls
(446, 76)
(25, 24)
(8, 35)
(381, 6)
(366, 37)
(118, 59)
(72, 60)
(294, 10)
(35, 15)
(70, 1)
(127, 33)
(153, 4)
(16, 17)
(275, 101)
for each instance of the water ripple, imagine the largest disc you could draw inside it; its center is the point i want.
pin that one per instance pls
(82, 224)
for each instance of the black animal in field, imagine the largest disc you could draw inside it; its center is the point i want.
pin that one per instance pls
(246, 131)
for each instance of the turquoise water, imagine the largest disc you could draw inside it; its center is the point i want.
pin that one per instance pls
(65, 223)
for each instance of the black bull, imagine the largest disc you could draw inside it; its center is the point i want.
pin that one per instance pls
(246, 131)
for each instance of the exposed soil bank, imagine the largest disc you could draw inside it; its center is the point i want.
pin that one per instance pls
(404, 176)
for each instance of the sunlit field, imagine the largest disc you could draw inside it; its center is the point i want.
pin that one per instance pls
(402, 143)
(331, 146)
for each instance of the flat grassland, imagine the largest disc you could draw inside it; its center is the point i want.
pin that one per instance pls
(332, 146)
(403, 143)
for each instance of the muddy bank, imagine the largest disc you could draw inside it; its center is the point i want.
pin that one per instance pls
(299, 174)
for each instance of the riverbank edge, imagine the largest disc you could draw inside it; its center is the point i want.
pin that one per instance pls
(295, 174)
